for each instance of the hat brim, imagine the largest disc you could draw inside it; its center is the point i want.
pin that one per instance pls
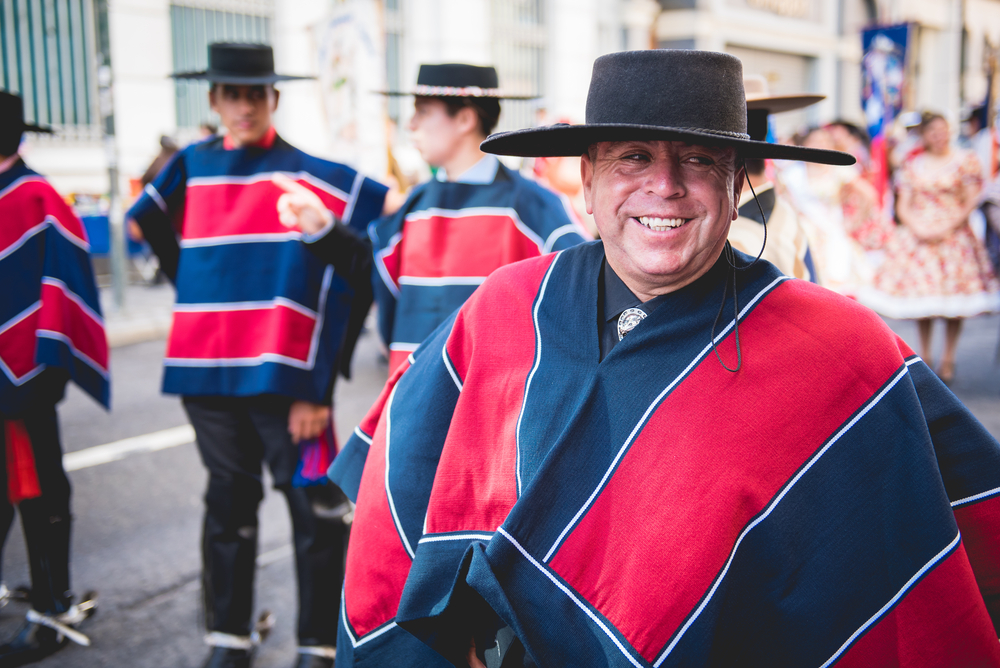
(775, 104)
(565, 140)
(237, 80)
(27, 127)
(411, 93)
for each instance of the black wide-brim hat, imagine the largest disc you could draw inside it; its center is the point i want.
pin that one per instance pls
(12, 115)
(664, 94)
(458, 80)
(239, 64)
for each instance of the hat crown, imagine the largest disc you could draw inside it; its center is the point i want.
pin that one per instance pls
(755, 85)
(458, 75)
(669, 88)
(240, 59)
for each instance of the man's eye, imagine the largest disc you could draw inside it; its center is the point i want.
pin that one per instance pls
(701, 160)
(638, 157)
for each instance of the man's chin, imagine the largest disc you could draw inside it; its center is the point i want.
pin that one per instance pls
(248, 138)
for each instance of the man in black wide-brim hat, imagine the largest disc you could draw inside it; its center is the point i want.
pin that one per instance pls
(474, 216)
(651, 450)
(260, 330)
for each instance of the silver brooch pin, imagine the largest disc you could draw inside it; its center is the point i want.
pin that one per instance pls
(627, 321)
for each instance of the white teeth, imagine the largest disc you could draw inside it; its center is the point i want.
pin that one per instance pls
(660, 224)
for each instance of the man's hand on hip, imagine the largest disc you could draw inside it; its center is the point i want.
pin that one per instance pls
(307, 420)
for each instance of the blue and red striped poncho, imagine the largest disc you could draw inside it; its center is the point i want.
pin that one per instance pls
(256, 312)
(830, 503)
(50, 315)
(448, 237)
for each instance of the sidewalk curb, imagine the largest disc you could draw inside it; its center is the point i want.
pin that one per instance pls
(146, 316)
(139, 331)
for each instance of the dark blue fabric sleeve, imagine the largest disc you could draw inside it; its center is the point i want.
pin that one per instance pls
(545, 213)
(155, 210)
(367, 207)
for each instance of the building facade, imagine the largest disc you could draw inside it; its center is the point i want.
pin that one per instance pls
(58, 53)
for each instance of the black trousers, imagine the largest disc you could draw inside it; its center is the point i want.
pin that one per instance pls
(235, 436)
(45, 519)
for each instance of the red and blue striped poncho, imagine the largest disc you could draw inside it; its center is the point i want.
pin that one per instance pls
(830, 503)
(448, 237)
(256, 312)
(50, 315)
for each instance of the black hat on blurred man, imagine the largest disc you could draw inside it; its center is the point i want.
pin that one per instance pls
(240, 65)
(12, 124)
(458, 80)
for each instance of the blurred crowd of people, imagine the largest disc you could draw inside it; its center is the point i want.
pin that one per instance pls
(911, 243)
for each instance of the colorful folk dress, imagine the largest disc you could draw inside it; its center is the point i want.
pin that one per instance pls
(949, 277)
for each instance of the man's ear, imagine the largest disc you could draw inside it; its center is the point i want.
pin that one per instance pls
(277, 94)
(587, 178)
(468, 120)
(212, 92)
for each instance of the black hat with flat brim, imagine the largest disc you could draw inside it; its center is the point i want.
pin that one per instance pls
(240, 65)
(12, 115)
(664, 94)
(458, 80)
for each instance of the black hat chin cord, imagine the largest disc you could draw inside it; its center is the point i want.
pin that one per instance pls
(728, 252)
(730, 256)
(762, 217)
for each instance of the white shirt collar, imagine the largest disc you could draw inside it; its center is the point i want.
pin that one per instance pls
(482, 173)
(747, 194)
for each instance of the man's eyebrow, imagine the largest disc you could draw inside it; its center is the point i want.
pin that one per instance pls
(636, 144)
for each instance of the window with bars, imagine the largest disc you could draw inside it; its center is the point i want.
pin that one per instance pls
(195, 25)
(46, 49)
(519, 56)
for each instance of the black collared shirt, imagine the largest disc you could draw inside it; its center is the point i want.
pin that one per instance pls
(613, 297)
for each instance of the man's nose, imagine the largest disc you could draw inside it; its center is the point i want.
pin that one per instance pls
(245, 104)
(665, 179)
(412, 124)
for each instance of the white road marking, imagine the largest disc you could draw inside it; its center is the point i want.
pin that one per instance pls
(158, 440)
(112, 452)
(275, 555)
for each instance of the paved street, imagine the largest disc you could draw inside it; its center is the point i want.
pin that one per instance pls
(138, 518)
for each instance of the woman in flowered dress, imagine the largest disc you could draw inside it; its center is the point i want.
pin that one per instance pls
(935, 267)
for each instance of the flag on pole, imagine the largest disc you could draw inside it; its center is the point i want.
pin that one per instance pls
(883, 75)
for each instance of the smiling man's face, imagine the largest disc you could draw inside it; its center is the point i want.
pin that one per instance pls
(663, 209)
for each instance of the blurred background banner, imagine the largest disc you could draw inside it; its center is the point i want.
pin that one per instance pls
(883, 75)
(351, 67)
